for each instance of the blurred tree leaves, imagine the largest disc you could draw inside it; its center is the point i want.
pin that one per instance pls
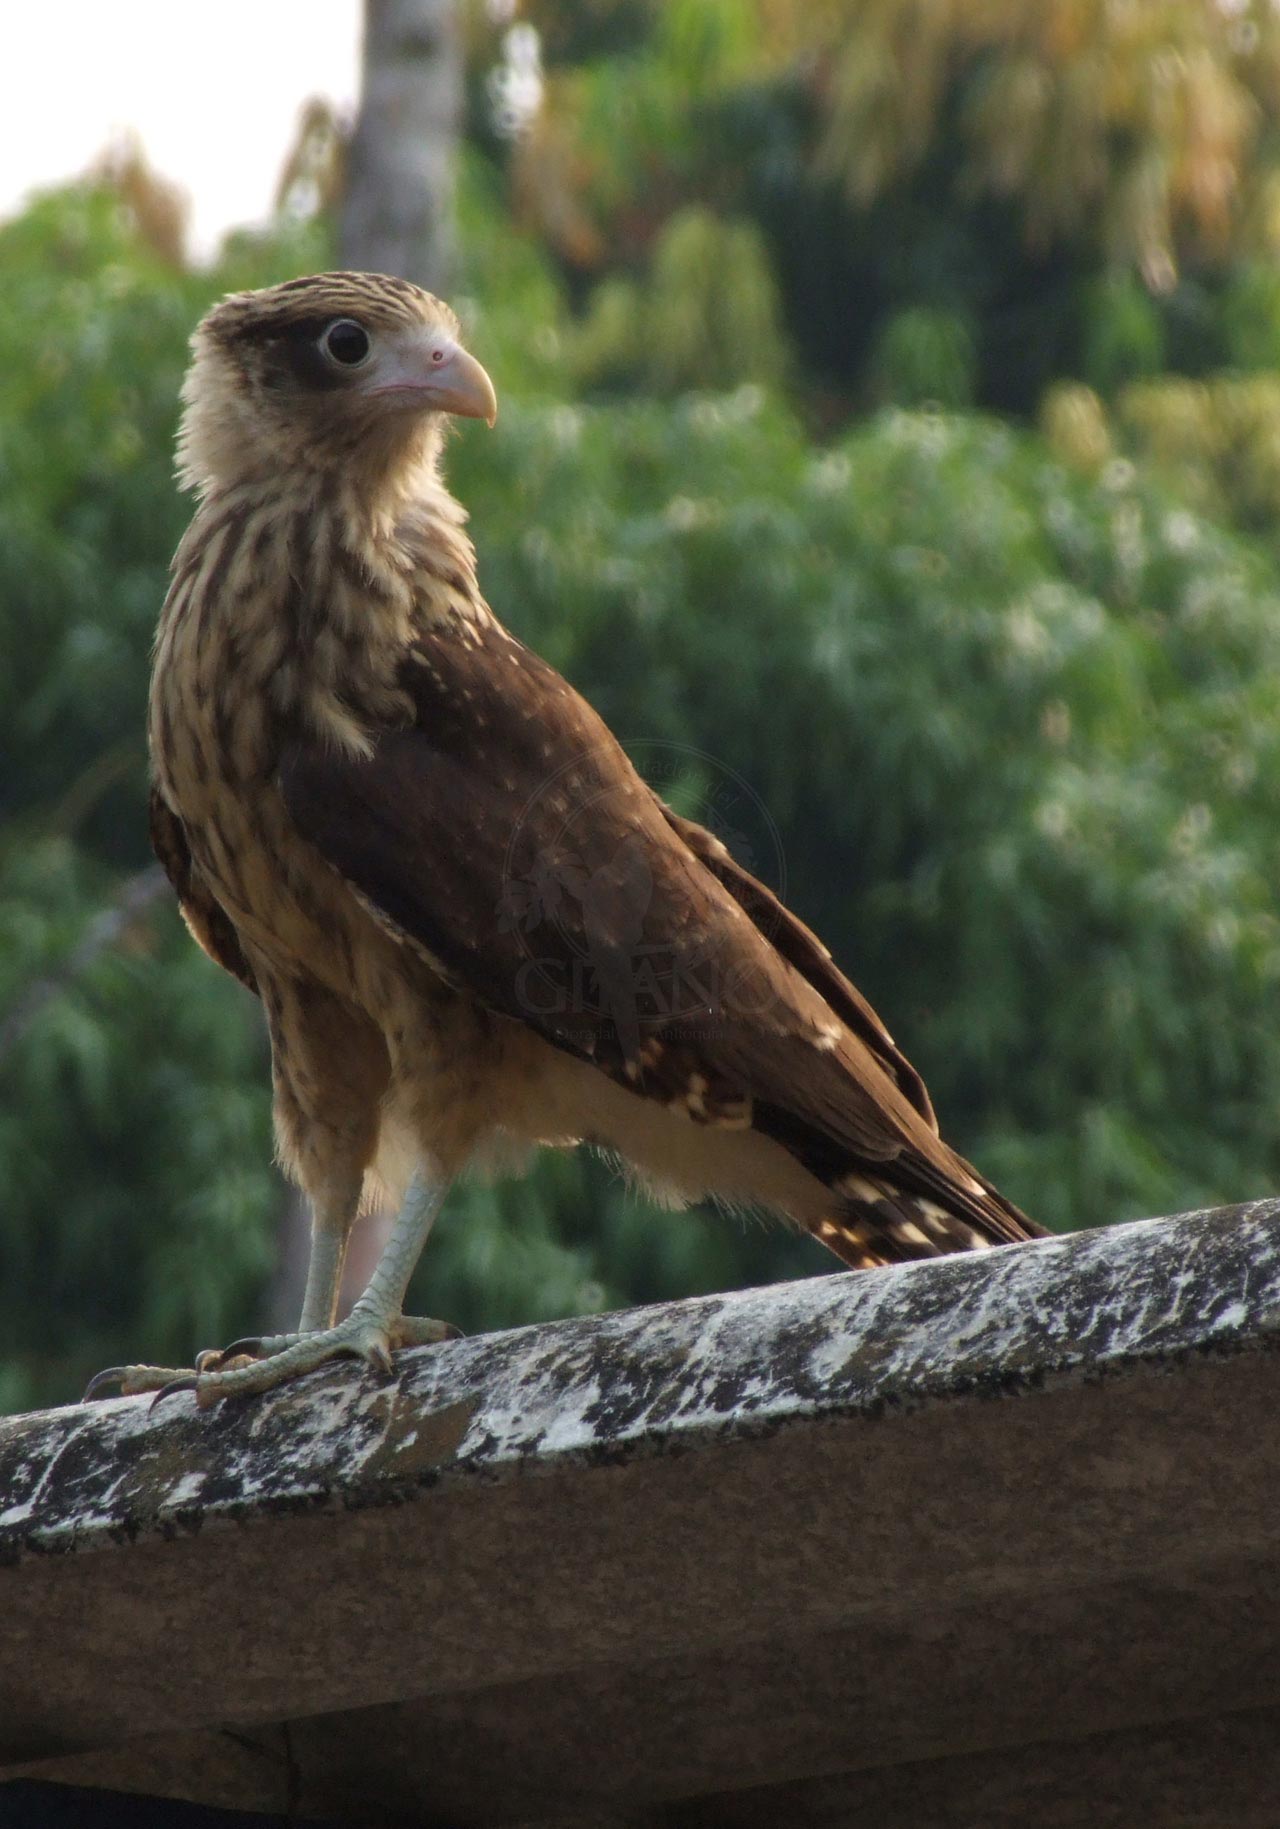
(1215, 441)
(926, 357)
(706, 317)
(1075, 181)
(1137, 124)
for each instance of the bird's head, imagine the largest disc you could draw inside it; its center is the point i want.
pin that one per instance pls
(339, 371)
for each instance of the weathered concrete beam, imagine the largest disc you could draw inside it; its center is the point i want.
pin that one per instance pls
(953, 1531)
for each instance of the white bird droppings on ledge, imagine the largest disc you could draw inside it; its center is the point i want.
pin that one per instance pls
(612, 1387)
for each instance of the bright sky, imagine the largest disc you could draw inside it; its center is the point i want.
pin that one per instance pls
(214, 92)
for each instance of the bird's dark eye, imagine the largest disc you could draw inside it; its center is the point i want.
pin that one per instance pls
(346, 342)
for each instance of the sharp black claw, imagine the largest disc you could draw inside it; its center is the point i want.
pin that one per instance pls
(253, 1346)
(175, 1385)
(114, 1374)
(453, 1333)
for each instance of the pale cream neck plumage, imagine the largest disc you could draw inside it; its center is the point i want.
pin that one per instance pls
(230, 437)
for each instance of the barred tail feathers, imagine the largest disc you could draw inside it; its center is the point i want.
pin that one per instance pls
(873, 1221)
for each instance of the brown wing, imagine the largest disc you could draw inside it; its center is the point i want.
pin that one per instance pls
(801, 947)
(507, 833)
(210, 925)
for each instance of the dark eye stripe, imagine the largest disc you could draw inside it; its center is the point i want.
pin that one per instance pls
(292, 358)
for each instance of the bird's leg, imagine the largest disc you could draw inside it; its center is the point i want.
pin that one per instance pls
(330, 1076)
(330, 1232)
(334, 1213)
(371, 1331)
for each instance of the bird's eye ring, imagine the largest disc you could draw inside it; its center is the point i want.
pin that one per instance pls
(437, 355)
(346, 343)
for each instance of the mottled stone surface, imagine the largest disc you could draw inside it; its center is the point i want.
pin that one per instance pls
(680, 1564)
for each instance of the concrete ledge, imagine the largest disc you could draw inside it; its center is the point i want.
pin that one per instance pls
(991, 1539)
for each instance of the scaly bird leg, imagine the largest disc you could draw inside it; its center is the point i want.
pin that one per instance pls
(373, 1329)
(369, 1332)
(324, 1270)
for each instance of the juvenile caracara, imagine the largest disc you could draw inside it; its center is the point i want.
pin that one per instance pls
(355, 764)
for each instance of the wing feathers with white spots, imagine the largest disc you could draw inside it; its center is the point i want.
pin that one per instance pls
(801, 947)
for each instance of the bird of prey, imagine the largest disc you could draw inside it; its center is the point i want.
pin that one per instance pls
(359, 772)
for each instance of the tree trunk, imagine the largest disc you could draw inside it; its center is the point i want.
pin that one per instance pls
(397, 216)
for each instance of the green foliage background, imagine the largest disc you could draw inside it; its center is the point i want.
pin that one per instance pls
(941, 517)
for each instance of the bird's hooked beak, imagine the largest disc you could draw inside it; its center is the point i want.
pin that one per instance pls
(438, 375)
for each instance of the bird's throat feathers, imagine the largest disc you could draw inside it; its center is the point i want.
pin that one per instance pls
(296, 602)
(232, 435)
(325, 542)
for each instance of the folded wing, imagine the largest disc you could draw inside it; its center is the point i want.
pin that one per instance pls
(505, 834)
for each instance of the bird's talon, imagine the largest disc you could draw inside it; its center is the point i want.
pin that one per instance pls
(131, 1380)
(174, 1386)
(281, 1358)
(218, 1358)
(262, 1363)
(250, 1348)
